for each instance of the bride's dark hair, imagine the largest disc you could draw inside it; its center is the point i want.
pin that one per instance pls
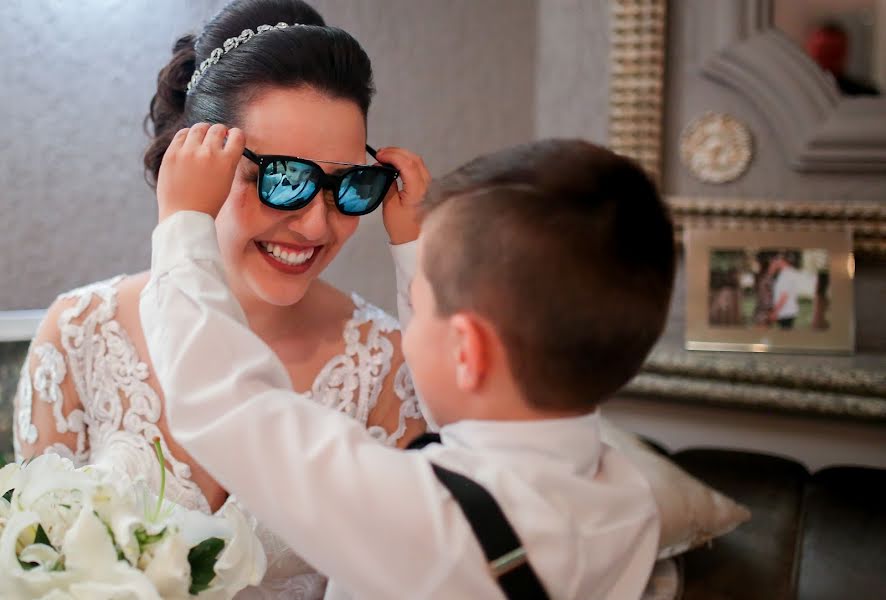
(324, 58)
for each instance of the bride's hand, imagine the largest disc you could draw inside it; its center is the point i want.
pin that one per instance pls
(401, 209)
(198, 169)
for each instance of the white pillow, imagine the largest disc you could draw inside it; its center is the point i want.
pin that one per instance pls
(691, 512)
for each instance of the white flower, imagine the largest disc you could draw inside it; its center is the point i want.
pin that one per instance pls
(9, 475)
(169, 570)
(57, 511)
(5, 509)
(10, 569)
(91, 559)
(243, 561)
(195, 526)
(48, 473)
(93, 534)
(45, 557)
(57, 595)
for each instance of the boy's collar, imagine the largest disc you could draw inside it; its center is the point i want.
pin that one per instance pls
(575, 440)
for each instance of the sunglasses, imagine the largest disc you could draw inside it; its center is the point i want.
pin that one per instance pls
(291, 182)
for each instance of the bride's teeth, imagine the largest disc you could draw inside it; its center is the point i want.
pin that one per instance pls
(286, 256)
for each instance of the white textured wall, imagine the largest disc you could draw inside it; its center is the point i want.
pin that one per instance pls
(572, 72)
(455, 78)
(75, 82)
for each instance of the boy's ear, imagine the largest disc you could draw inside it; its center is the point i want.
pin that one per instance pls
(471, 350)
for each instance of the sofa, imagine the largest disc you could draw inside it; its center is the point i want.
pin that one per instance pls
(812, 536)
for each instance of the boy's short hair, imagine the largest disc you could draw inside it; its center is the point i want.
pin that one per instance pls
(568, 250)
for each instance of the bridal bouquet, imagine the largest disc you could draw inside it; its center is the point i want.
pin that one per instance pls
(90, 533)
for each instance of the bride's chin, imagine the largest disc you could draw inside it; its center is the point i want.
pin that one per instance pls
(277, 289)
(276, 296)
(280, 294)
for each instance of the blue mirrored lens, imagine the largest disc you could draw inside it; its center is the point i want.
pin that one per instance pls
(288, 183)
(362, 189)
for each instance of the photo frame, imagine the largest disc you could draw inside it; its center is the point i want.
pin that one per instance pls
(769, 291)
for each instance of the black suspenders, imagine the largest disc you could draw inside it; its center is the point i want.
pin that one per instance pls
(508, 562)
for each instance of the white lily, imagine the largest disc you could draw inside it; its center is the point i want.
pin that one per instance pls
(9, 475)
(169, 569)
(50, 474)
(109, 538)
(45, 557)
(243, 562)
(92, 559)
(5, 509)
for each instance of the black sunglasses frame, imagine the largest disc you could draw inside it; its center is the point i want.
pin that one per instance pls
(325, 181)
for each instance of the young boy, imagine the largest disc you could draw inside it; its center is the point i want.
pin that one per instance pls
(543, 278)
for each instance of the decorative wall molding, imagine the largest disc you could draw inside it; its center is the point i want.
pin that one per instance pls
(867, 219)
(855, 388)
(716, 147)
(637, 62)
(819, 129)
(762, 397)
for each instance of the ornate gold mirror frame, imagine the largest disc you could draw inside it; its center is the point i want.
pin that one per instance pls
(637, 70)
(853, 387)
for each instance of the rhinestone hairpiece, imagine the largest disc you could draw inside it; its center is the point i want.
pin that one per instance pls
(228, 45)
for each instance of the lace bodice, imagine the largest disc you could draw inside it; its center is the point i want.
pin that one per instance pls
(118, 413)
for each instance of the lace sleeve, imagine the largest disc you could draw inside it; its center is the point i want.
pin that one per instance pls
(396, 418)
(370, 381)
(47, 413)
(410, 411)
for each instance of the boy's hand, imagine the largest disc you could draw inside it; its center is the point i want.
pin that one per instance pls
(198, 169)
(401, 208)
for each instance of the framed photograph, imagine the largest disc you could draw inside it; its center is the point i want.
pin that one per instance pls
(769, 291)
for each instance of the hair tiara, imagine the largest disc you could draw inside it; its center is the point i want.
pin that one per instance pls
(228, 45)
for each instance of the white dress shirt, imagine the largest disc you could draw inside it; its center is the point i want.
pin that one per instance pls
(787, 282)
(375, 519)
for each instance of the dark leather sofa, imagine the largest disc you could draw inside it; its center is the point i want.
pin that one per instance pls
(813, 536)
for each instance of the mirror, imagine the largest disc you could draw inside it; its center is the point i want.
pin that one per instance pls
(846, 38)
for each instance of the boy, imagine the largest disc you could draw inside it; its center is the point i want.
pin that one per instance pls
(543, 278)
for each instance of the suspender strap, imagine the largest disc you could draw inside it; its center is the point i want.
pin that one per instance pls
(423, 440)
(508, 562)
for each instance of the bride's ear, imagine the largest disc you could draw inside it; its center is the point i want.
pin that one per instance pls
(470, 347)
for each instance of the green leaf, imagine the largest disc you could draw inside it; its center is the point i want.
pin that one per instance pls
(8, 496)
(27, 566)
(41, 537)
(144, 539)
(202, 559)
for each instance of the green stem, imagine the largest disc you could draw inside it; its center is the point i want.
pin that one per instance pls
(158, 450)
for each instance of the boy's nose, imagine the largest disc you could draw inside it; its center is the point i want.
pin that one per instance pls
(311, 221)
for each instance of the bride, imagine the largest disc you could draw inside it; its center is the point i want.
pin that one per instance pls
(301, 93)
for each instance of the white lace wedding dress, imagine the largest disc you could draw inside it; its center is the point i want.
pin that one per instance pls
(120, 410)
